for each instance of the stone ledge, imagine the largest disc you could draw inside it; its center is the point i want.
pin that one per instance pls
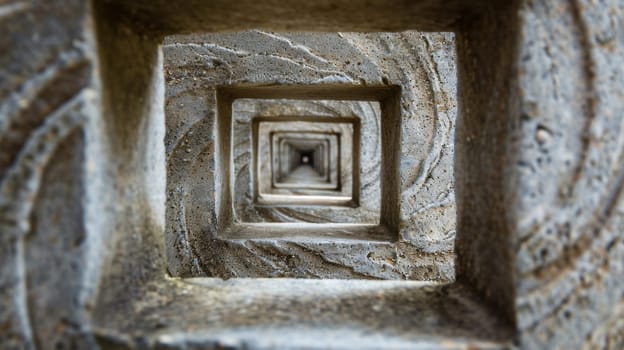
(298, 313)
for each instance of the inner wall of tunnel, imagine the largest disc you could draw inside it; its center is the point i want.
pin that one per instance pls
(278, 146)
(310, 154)
(175, 273)
(195, 107)
(187, 211)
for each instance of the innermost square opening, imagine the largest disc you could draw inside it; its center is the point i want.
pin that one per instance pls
(294, 154)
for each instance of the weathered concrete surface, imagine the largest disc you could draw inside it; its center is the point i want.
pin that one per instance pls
(568, 166)
(357, 310)
(48, 97)
(538, 186)
(539, 168)
(198, 16)
(196, 65)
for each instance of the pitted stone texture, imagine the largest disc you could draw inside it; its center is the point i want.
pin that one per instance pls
(569, 167)
(423, 65)
(47, 95)
(555, 180)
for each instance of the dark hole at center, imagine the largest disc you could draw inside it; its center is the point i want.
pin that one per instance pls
(307, 158)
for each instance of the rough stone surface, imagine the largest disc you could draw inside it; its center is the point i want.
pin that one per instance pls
(538, 183)
(196, 65)
(445, 313)
(569, 216)
(551, 156)
(47, 99)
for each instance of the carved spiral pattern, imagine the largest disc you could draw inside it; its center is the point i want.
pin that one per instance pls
(422, 64)
(571, 172)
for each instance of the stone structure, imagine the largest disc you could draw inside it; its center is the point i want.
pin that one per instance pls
(420, 247)
(86, 145)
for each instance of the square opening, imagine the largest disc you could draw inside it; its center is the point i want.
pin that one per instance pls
(201, 242)
(250, 207)
(243, 116)
(305, 161)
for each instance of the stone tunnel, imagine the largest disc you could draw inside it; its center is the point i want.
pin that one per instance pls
(331, 174)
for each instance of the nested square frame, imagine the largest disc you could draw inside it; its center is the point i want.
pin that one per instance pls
(276, 166)
(334, 193)
(498, 82)
(388, 98)
(367, 211)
